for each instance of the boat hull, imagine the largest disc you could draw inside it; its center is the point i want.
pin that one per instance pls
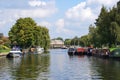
(40, 50)
(13, 54)
(71, 51)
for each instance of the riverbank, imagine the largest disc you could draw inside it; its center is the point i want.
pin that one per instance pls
(3, 54)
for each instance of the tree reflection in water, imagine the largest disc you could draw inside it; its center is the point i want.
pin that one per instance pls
(31, 66)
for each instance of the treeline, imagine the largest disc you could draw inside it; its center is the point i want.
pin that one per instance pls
(105, 32)
(26, 33)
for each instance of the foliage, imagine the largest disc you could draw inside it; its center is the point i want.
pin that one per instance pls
(109, 27)
(67, 42)
(26, 33)
(106, 31)
(4, 48)
(58, 38)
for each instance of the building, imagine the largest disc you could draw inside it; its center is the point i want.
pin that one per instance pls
(56, 44)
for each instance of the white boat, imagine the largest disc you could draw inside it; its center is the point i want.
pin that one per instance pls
(13, 54)
(39, 50)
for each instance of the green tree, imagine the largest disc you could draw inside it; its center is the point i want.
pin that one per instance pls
(58, 38)
(67, 42)
(102, 24)
(22, 32)
(94, 37)
(114, 32)
(26, 33)
(84, 41)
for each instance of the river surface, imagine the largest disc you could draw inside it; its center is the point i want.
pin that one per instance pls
(57, 65)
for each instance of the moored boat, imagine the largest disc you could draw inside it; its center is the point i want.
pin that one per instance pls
(39, 50)
(89, 53)
(114, 53)
(104, 53)
(63, 47)
(79, 51)
(15, 52)
(71, 51)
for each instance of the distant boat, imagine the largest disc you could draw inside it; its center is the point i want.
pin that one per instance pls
(79, 51)
(39, 50)
(64, 47)
(71, 51)
(104, 53)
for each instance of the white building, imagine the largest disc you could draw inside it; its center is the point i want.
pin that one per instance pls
(56, 43)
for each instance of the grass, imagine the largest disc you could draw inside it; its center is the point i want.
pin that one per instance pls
(4, 51)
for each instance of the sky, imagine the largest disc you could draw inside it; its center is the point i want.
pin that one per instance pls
(63, 18)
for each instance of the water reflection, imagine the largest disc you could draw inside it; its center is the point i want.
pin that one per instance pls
(27, 67)
(108, 68)
(57, 65)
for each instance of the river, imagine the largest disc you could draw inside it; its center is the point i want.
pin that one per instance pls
(57, 65)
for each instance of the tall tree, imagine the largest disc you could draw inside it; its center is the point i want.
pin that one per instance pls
(26, 33)
(103, 24)
(22, 32)
(84, 41)
(67, 42)
(94, 37)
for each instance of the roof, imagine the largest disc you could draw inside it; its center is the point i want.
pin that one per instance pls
(57, 42)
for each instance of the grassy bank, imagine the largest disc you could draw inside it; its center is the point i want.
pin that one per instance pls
(4, 49)
(4, 52)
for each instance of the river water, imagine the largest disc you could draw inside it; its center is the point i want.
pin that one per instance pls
(57, 65)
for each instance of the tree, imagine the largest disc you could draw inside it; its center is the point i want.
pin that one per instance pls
(26, 33)
(84, 41)
(67, 42)
(108, 24)
(114, 28)
(93, 36)
(22, 32)
(58, 38)
(103, 23)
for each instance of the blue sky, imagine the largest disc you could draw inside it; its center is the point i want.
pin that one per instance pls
(63, 18)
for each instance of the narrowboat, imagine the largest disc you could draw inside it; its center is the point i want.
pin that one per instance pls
(71, 51)
(114, 53)
(79, 51)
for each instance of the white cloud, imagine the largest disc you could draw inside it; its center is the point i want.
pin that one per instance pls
(2, 23)
(15, 13)
(37, 12)
(80, 12)
(76, 21)
(60, 25)
(8, 16)
(45, 23)
(109, 3)
(79, 17)
(37, 3)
